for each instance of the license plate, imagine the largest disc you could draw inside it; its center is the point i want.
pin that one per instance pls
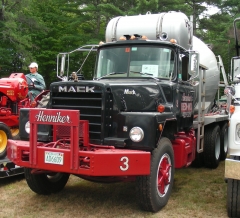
(54, 157)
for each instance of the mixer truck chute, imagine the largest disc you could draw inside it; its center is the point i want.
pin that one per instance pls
(142, 115)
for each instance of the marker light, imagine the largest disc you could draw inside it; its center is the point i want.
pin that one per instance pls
(161, 108)
(231, 109)
(174, 41)
(122, 38)
(133, 37)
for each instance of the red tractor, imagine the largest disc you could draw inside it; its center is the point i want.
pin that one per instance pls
(13, 97)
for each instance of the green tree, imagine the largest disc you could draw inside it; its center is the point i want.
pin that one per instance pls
(14, 35)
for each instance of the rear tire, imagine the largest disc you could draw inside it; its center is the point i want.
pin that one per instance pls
(212, 146)
(224, 141)
(233, 197)
(45, 184)
(5, 134)
(153, 191)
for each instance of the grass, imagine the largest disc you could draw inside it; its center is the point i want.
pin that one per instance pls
(197, 192)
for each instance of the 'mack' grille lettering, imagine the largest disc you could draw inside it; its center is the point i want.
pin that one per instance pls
(75, 89)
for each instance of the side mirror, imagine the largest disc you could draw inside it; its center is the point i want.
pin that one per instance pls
(193, 68)
(62, 64)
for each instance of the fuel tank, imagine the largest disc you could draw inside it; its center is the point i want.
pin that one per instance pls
(15, 87)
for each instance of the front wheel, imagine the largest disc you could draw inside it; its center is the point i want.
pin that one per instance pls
(153, 191)
(44, 183)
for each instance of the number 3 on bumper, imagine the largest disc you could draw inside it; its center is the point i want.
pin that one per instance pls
(125, 165)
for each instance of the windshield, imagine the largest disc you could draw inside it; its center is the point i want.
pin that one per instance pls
(135, 61)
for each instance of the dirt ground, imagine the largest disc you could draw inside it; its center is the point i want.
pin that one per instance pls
(196, 193)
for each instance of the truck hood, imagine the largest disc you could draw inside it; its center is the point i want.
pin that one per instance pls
(128, 95)
(137, 95)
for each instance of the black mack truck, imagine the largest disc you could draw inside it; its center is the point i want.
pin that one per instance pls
(135, 120)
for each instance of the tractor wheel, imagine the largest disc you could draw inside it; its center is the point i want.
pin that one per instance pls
(224, 141)
(45, 184)
(5, 134)
(15, 133)
(153, 191)
(211, 152)
(233, 197)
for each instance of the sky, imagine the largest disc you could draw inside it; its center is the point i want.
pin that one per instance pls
(211, 9)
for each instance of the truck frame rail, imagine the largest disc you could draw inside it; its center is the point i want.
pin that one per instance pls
(8, 168)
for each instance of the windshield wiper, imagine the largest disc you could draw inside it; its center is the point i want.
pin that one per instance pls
(148, 74)
(109, 74)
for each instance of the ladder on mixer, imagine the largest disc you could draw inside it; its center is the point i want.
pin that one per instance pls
(201, 108)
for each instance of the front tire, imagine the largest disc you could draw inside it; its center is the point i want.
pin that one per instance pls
(212, 146)
(233, 197)
(153, 191)
(45, 184)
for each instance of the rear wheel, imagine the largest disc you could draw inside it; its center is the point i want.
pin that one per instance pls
(233, 197)
(224, 141)
(5, 134)
(212, 146)
(153, 191)
(44, 183)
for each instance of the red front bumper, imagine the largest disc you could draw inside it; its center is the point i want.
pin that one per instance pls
(71, 151)
(99, 162)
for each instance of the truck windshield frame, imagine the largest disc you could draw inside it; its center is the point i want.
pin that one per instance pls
(131, 61)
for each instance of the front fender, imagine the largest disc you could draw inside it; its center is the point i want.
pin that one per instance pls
(148, 122)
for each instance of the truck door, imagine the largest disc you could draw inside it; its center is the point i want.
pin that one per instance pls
(184, 94)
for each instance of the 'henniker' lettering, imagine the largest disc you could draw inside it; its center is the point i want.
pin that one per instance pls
(41, 117)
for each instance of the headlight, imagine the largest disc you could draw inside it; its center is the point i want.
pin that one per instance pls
(27, 127)
(237, 133)
(136, 134)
